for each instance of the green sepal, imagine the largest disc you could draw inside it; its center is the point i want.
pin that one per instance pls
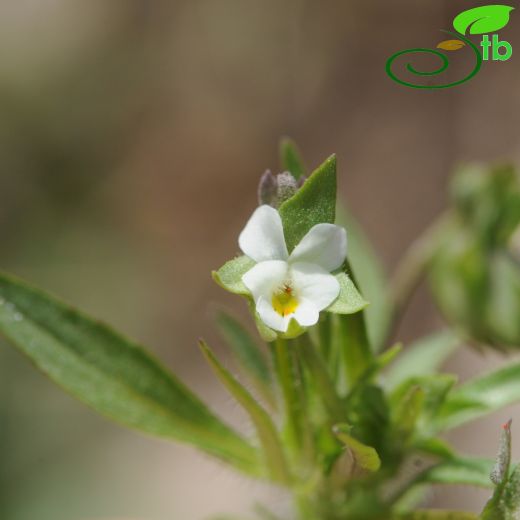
(229, 276)
(314, 203)
(349, 300)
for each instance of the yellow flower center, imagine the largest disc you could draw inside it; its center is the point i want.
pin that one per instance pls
(284, 302)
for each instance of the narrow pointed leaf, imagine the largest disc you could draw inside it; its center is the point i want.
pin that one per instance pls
(247, 352)
(290, 158)
(480, 396)
(112, 374)
(370, 278)
(267, 434)
(460, 470)
(422, 358)
(244, 346)
(313, 203)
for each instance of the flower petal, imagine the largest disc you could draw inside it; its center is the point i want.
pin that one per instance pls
(265, 277)
(313, 284)
(270, 317)
(324, 245)
(306, 314)
(262, 238)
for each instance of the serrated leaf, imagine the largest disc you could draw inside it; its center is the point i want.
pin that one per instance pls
(111, 373)
(290, 158)
(313, 203)
(349, 301)
(422, 358)
(229, 276)
(265, 428)
(450, 45)
(482, 20)
(480, 396)
(365, 457)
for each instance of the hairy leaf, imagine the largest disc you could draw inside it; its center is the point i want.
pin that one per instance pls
(423, 357)
(349, 301)
(480, 396)
(313, 203)
(112, 374)
(244, 347)
(460, 470)
(272, 448)
(229, 276)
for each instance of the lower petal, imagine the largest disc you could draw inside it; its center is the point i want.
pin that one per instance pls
(270, 317)
(306, 314)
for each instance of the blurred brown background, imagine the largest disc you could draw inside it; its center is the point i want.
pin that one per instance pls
(132, 135)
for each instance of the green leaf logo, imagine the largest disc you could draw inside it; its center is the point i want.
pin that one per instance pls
(482, 20)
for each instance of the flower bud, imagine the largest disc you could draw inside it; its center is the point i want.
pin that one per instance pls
(274, 190)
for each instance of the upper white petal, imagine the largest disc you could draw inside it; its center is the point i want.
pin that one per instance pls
(314, 284)
(262, 238)
(324, 245)
(270, 317)
(306, 314)
(265, 277)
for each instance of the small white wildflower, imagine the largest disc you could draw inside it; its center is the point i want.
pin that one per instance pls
(296, 286)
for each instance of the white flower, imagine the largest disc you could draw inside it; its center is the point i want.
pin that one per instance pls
(298, 285)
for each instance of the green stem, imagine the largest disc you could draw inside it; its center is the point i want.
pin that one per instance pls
(322, 379)
(290, 380)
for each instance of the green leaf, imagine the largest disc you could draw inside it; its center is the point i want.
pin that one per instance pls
(436, 390)
(459, 470)
(480, 396)
(272, 448)
(365, 457)
(407, 412)
(112, 374)
(422, 358)
(433, 514)
(349, 301)
(313, 203)
(482, 20)
(370, 277)
(229, 276)
(244, 347)
(290, 158)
